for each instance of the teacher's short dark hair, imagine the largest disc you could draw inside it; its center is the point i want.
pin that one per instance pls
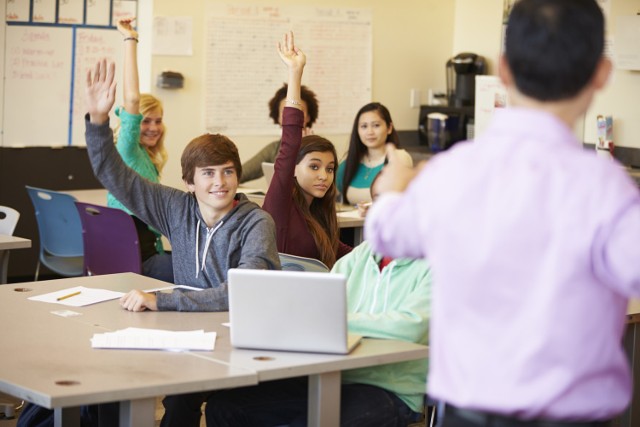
(553, 47)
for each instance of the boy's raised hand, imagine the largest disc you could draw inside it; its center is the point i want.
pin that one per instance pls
(100, 93)
(293, 57)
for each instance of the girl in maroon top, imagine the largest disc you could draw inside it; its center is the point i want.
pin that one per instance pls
(302, 193)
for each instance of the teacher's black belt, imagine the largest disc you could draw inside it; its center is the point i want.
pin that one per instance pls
(473, 417)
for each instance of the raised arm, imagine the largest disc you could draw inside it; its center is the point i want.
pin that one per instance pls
(100, 93)
(130, 81)
(295, 61)
(279, 196)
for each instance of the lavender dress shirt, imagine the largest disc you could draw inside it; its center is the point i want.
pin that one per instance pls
(534, 244)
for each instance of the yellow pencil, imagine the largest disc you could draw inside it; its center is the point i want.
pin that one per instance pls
(68, 296)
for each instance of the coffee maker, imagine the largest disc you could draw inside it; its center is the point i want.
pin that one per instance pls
(441, 126)
(461, 71)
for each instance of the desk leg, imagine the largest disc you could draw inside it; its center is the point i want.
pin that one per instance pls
(138, 413)
(66, 417)
(324, 399)
(4, 266)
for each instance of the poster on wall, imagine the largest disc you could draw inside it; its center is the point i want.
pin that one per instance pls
(490, 94)
(244, 71)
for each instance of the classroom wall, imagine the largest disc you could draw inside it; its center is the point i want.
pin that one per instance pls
(412, 39)
(478, 28)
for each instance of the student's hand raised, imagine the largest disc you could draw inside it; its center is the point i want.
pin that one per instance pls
(292, 57)
(100, 93)
(125, 26)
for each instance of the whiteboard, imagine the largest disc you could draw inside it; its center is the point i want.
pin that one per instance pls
(243, 70)
(45, 72)
(37, 86)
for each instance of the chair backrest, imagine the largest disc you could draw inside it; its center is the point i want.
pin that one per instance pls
(58, 222)
(8, 220)
(110, 240)
(298, 263)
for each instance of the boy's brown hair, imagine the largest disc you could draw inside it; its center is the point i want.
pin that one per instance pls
(209, 150)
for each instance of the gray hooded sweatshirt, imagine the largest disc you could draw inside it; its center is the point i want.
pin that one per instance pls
(244, 238)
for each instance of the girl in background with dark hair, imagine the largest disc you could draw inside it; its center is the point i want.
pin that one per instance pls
(372, 130)
(301, 197)
(252, 168)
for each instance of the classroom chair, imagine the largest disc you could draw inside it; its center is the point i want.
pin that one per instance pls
(110, 240)
(8, 220)
(61, 248)
(298, 263)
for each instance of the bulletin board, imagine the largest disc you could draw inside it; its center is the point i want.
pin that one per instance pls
(242, 65)
(50, 46)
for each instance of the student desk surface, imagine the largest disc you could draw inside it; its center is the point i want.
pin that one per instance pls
(6, 244)
(47, 358)
(13, 242)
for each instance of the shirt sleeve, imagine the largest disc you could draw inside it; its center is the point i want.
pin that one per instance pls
(279, 198)
(616, 251)
(149, 201)
(393, 225)
(128, 143)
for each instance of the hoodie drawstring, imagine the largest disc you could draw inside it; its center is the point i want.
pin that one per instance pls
(210, 233)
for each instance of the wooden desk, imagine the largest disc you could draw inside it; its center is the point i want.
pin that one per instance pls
(6, 244)
(323, 370)
(135, 377)
(48, 360)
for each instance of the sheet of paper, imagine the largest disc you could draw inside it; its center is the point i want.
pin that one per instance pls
(627, 51)
(172, 35)
(155, 339)
(81, 296)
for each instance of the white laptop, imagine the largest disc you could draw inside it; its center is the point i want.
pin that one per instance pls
(267, 170)
(289, 310)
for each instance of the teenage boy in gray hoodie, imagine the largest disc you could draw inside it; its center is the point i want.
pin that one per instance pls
(211, 228)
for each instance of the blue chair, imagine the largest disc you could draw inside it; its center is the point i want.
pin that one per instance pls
(298, 263)
(110, 240)
(61, 248)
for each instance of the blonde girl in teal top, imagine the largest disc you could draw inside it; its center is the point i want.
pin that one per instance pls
(140, 142)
